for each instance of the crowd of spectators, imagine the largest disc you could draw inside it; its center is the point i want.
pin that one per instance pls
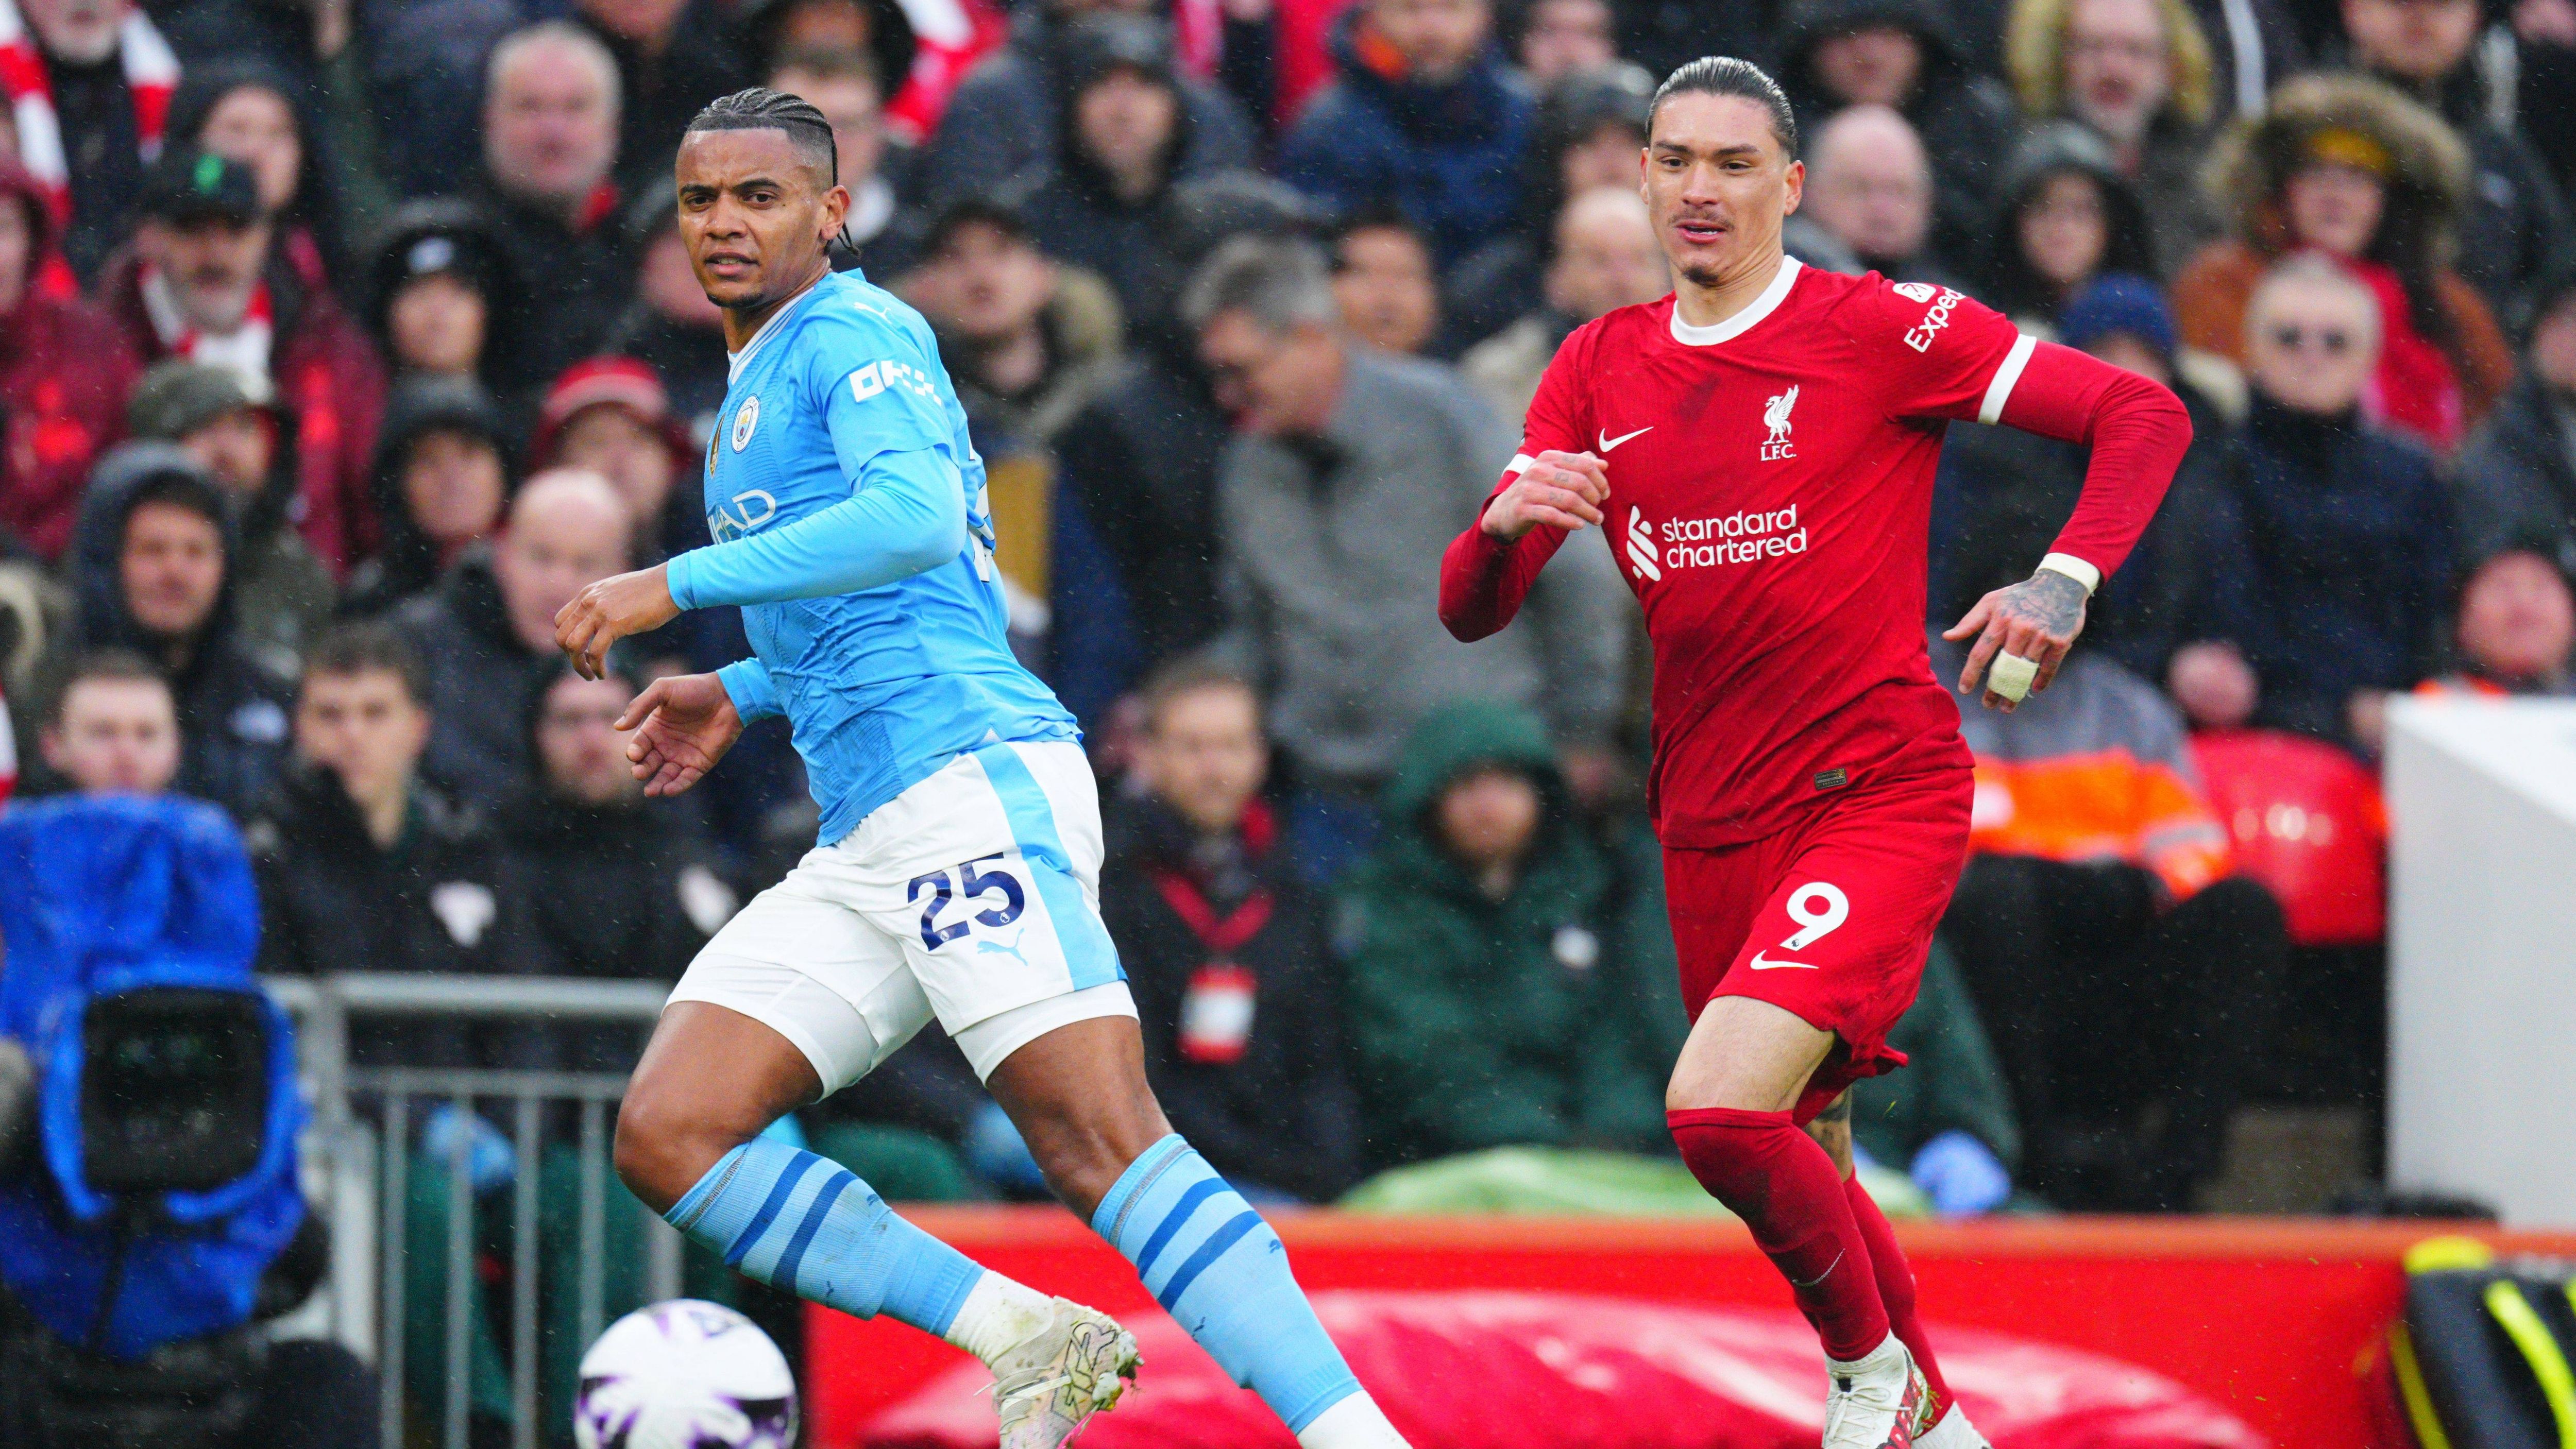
(339, 345)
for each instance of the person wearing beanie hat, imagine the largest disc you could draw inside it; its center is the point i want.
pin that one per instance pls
(2122, 303)
(611, 416)
(64, 373)
(2517, 473)
(238, 433)
(440, 293)
(204, 280)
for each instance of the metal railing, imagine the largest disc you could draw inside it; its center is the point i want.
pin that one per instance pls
(359, 1162)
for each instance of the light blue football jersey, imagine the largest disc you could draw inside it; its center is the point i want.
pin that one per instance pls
(843, 391)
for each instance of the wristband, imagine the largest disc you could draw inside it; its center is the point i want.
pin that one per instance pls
(2074, 568)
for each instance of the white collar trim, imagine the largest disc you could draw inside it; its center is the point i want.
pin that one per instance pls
(1744, 321)
(735, 362)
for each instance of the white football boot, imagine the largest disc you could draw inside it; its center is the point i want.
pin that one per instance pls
(1052, 1382)
(1953, 1432)
(1876, 1401)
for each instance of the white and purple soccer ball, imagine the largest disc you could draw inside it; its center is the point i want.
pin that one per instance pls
(685, 1375)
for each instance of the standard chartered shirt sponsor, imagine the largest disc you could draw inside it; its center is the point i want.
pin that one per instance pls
(1737, 538)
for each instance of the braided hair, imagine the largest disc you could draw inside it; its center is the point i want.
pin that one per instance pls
(758, 108)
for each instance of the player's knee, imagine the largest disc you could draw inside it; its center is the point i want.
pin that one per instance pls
(661, 1150)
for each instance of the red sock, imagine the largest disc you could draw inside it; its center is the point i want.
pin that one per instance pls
(1896, 1289)
(1785, 1188)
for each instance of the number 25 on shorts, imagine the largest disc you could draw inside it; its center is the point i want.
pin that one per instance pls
(973, 884)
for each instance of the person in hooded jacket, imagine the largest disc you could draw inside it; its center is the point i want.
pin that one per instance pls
(595, 880)
(152, 562)
(246, 443)
(1003, 122)
(1491, 1001)
(1904, 54)
(671, 327)
(2066, 218)
(443, 478)
(1424, 116)
(441, 294)
(1125, 129)
(64, 373)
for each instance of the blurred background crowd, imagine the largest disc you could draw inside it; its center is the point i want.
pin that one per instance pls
(341, 341)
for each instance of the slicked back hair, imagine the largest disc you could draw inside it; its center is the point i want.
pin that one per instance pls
(1724, 75)
(758, 108)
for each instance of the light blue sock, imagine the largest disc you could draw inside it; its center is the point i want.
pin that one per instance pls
(1220, 1271)
(804, 1224)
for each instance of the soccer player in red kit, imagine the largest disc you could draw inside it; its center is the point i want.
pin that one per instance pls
(1758, 450)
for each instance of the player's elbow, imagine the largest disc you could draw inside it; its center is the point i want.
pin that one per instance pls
(2152, 407)
(1464, 623)
(937, 540)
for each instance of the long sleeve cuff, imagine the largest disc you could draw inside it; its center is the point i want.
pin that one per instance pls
(747, 683)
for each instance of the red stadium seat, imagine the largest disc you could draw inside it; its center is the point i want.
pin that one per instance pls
(2307, 822)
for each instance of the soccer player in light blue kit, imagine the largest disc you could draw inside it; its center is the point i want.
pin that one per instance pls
(957, 874)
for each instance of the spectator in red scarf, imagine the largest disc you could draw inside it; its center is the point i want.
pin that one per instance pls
(96, 73)
(64, 372)
(1225, 948)
(254, 112)
(203, 280)
(2345, 166)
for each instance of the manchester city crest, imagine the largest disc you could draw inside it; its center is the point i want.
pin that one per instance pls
(744, 421)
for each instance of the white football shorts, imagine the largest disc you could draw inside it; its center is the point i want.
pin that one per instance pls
(973, 897)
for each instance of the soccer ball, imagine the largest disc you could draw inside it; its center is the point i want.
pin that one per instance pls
(685, 1375)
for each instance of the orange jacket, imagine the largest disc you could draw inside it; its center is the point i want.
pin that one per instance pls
(2095, 769)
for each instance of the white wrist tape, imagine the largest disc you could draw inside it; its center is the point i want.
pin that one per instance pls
(2074, 568)
(2010, 676)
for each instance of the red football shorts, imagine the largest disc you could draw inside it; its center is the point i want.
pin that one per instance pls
(1830, 918)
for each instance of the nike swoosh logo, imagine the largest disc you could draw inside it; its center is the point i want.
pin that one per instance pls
(1608, 442)
(1759, 964)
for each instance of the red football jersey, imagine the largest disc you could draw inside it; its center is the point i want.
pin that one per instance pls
(1770, 502)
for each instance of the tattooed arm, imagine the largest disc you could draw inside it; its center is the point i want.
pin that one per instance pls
(2036, 619)
(2138, 431)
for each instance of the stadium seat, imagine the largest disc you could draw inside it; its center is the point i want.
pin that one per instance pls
(2307, 822)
